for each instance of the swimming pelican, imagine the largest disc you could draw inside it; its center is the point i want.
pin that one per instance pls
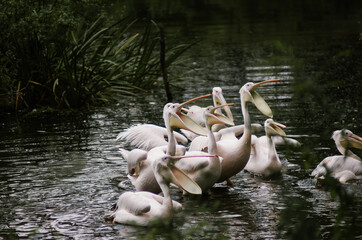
(343, 167)
(205, 171)
(140, 171)
(235, 152)
(196, 113)
(148, 136)
(146, 208)
(264, 158)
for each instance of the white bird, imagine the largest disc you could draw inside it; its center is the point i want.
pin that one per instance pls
(235, 152)
(343, 167)
(205, 171)
(148, 136)
(140, 171)
(264, 158)
(196, 113)
(146, 208)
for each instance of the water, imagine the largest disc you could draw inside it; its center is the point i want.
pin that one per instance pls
(61, 172)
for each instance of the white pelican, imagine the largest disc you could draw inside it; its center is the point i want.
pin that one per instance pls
(148, 136)
(235, 152)
(264, 158)
(205, 171)
(140, 171)
(146, 208)
(343, 167)
(196, 113)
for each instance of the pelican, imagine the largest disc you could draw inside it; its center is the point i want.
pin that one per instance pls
(196, 113)
(343, 167)
(205, 171)
(148, 136)
(145, 208)
(139, 167)
(264, 158)
(235, 152)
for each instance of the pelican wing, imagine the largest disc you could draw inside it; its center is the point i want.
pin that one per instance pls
(345, 176)
(134, 202)
(192, 164)
(199, 144)
(148, 136)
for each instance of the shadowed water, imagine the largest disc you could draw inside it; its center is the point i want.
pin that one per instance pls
(60, 173)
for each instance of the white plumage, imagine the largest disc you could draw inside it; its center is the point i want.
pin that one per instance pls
(264, 158)
(144, 208)
(343, 167)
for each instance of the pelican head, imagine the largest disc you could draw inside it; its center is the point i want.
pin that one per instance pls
(249, 94)
(218, 99)
(273, 128)
(134, 159)
(174, 116)
(347, 139)
(212, 117)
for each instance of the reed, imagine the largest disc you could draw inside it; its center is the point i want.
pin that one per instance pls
(70, 64)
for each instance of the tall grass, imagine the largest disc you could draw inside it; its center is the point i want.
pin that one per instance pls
(75, 64)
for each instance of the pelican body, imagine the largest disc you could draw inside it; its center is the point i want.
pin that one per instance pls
(145, 208)
(235, 152)
(264, 158)
(343, 167)
(205, 171)
(139, 165)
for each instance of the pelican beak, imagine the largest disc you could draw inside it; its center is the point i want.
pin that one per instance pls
(219, 118)
(277, 130)
(219, 100)
(181, 120)
(258, 101)
(194, 99)
(352, 141)
(181, 179)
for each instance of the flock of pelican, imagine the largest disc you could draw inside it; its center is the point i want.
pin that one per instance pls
(218, 150)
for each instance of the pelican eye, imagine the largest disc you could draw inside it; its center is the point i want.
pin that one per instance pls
(132, 171)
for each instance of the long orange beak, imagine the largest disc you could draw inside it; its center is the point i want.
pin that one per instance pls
(264, 82)
(194, 99)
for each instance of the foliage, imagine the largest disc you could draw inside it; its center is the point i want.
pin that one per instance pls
(52, 56)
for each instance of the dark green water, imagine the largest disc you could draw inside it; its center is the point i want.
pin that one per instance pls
(61, 172)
